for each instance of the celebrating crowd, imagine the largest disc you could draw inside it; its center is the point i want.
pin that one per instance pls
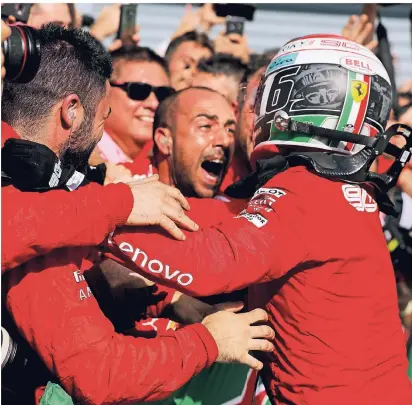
(207, 226)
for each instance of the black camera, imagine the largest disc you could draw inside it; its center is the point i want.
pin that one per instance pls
(22, 49)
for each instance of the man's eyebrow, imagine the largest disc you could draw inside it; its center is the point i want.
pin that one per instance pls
(208, 116)
(230, 122)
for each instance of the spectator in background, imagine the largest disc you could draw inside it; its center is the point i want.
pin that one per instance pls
(235, 44)
(258, 60)
(202, 19)
(139, 81)
(222, 73)
(57, 13)
(361, 28)
(182, 56)
(107, 24)
(240, 165)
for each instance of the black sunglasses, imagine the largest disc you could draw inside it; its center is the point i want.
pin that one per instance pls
(141, 91)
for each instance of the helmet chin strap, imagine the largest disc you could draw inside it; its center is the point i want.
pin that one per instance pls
(350, 168)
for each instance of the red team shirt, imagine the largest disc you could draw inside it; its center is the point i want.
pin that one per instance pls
(314, 256)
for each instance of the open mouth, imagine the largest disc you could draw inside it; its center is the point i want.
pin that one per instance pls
(214, 168)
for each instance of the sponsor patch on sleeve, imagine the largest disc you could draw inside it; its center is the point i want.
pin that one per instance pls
(272, 192)
(256, 219)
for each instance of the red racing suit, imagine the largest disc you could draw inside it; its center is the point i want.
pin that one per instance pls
(55, 311)
(36, 223)
(314, 256)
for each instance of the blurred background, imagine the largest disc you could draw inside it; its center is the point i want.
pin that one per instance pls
(274, 24)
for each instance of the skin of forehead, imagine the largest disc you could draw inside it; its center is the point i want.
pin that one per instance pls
(179, 106)
(55, 10)
(186, 49)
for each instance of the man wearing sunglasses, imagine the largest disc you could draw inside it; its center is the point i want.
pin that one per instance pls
(139, 82)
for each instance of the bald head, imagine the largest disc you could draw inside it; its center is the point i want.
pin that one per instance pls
(167, 110)
(194, 140)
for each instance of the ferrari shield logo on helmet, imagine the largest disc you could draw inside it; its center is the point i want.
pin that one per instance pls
(359, 90)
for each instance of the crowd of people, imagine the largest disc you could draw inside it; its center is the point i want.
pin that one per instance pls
(207, 226)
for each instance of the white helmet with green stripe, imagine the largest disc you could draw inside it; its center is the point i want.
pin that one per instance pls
(326, 81)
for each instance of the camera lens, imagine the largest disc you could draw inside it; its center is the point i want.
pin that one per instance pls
(21, 54)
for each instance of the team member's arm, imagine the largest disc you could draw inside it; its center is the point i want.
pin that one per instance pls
(95, 364)
(36, 223)
(257, 246)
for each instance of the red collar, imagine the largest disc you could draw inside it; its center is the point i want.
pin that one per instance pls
(7, 132)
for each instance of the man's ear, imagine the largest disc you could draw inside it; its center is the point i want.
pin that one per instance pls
(71, 112)
(163, 140)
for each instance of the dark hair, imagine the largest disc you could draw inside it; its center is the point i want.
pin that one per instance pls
(138, 54)
(260, 60)
(191, 36)
(162, 114)
(72, 61)
(223, 64)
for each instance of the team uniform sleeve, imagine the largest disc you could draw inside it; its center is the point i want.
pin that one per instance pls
(260, 244)
(36, 223)
(55, 311)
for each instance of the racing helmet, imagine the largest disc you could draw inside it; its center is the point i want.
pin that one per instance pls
(325, 81)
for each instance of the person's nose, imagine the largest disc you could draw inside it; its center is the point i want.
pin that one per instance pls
(151, 102)
(224, 138)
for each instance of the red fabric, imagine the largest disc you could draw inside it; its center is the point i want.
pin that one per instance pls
(57, 314)
(7, 132)
(36, 223)
(142, 164)
(236, 171)
(325, 276)
(205, 211)
(383, 164)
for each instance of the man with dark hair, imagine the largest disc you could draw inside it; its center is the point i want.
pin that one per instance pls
(183, 54)
(74, 219)
(77, 342)
(139, 82)
(240, 166)
(223, 73)
(81, 112)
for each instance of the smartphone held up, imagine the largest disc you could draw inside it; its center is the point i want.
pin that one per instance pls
(236, 15)
(127, 23)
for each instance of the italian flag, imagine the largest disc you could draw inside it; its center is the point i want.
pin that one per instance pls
(355, 104)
